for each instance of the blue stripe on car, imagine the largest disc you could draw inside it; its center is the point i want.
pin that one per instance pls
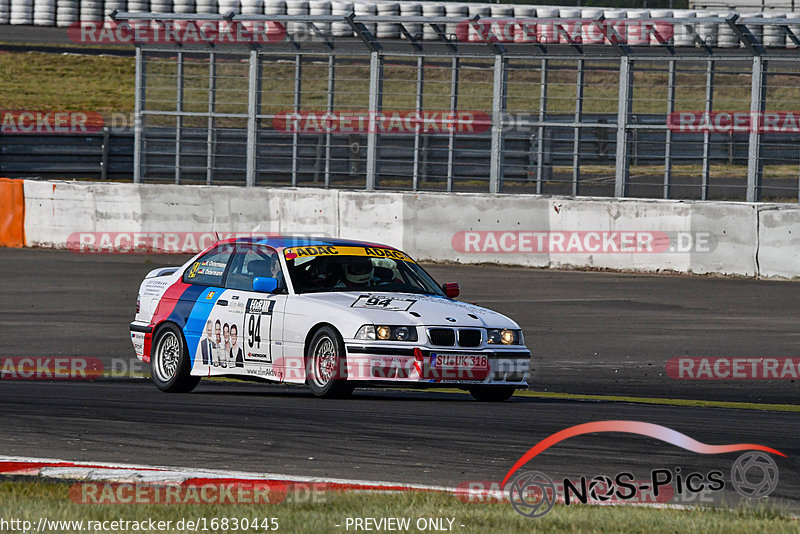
(196, 322)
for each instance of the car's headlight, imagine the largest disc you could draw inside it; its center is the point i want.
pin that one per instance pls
(387, 332)
(504, 336)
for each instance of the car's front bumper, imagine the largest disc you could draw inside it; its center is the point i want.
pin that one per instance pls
(378, 362)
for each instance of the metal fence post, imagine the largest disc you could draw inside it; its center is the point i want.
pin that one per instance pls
(178, 117)
(138, 107)
(755, 167)
(707, 134)
(212, 104)
(252, 111)
(576, 138)
(329, 109)
(418, 108)
(451, 139)
(298, 87)
(623, 112)
(104, 155)
(668, 139)
(540, 133)
(375, 93)
(499, 92)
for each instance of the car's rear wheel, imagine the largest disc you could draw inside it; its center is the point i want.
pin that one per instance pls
(491, 394)
(169, 362)
(326, 366)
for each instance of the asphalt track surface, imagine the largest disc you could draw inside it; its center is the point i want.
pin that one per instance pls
(590, 332)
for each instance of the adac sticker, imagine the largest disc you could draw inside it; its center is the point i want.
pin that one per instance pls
(330, 250)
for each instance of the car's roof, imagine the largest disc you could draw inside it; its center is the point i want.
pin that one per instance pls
(283, 241)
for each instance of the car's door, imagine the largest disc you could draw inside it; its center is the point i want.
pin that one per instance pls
(254, 320)
(206, 278)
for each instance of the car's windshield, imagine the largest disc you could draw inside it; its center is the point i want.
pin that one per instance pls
(350, 269)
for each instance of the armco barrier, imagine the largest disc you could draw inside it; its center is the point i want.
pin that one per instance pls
(742, 239)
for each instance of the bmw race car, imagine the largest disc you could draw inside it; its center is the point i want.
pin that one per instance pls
(330, 313)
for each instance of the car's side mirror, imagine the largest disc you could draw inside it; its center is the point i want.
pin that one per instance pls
(264, 284)
(451, 289)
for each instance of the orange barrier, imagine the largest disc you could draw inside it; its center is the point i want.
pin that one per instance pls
(12, 213)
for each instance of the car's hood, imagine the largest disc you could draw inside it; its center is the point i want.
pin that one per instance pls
(410, 308)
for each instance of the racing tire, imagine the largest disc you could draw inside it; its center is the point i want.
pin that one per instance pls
(325, 361)
(169, 361)
(491, 394)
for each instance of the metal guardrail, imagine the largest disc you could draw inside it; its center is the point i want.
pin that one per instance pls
(521, 90)
(103, 155)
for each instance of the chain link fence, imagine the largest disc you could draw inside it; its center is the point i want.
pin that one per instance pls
(473, 114)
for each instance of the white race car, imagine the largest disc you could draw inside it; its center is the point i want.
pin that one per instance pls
(331, 313)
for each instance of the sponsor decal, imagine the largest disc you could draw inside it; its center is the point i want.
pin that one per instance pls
(177, 31)
(330, 250)
(733, 368)
(257, 335)
(55, 368)
(137, 339)
(260, 306)
(55, 122)
(754, 474)
(734, 122)
(384, 122)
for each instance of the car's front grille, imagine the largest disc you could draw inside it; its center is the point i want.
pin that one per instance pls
(469, 337)
(444, 337)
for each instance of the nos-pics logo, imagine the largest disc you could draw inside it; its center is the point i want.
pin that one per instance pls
(533, 494)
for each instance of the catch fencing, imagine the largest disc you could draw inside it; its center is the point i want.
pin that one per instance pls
(596, 107)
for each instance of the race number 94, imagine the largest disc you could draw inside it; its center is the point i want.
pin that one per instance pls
(254, 331)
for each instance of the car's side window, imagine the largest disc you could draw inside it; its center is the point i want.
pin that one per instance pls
(209, 270)
(251, 261)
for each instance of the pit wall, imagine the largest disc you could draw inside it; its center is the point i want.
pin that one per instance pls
(736, 238)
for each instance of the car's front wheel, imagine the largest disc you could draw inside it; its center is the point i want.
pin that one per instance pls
(169, 362)
(491, 394)
(326, 366)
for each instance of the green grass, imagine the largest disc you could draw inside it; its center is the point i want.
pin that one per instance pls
(75, 82)
(32, 500)
(66, 82)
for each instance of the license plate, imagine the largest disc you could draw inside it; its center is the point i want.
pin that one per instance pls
(461, 361)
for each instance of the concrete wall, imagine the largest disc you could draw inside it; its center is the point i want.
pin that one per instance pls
(691, 237)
